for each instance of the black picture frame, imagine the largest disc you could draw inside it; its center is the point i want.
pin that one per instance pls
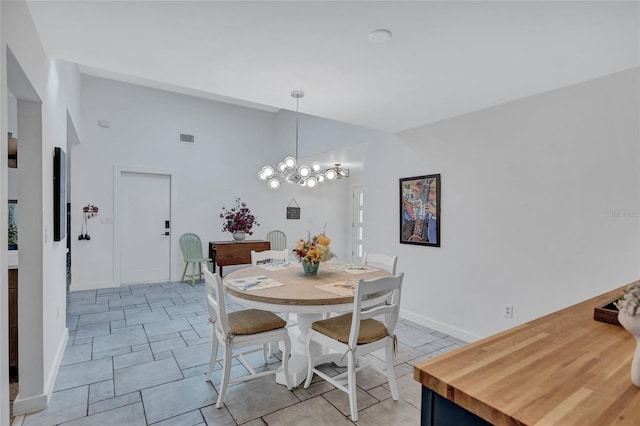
(420, 218)
(59, 194)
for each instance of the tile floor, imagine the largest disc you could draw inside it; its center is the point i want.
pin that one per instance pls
(138, 355)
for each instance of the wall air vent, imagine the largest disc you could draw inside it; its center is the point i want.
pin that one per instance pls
(187, 138)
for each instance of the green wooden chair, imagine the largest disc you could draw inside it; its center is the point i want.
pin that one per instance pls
(191, 248)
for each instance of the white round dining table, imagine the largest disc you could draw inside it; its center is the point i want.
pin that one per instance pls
(299, 294)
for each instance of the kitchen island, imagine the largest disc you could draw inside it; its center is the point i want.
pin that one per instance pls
(562, 369)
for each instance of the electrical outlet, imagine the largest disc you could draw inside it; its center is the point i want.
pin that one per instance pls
(508, 311)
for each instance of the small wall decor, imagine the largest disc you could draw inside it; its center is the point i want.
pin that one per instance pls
(293, 212)
(89, 211)
(420, 210)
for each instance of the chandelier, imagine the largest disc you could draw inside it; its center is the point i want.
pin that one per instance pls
(336, 172)
(303, 175)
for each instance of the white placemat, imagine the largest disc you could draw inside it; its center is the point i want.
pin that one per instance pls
(345, 288)
(276, 266)
(254, 283)
(354, 269)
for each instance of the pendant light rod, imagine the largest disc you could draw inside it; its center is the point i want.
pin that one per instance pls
(297, 95)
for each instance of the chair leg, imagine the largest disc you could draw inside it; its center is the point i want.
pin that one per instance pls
(193, 274)
(226, 369)
(186, 264)
(351, 376)
(285, 361)
(214, 355)
(390, 373)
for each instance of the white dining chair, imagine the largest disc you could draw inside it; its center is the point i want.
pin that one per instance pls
(382, 260)
(250, 329)
(278, 240)
(358, 333)
(269, 255)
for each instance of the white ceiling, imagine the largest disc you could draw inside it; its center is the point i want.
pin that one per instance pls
(444, 59)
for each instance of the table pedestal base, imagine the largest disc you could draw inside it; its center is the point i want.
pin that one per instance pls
(299, 360)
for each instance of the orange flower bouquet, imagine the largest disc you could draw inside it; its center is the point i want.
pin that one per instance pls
(312, 251)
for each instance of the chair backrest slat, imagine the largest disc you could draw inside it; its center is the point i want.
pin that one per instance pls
(277, 239)
(382, 260)
(191, 246)
(392, 286)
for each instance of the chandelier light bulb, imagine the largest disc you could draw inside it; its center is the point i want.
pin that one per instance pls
(316, 167)
(268, 171)
(304, 171)
(312, 182)
(320, 178)
(273, 184)
(331, 174)
(282, 167)
(290, 162)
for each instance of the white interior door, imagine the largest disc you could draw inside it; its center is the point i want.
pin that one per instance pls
(145, 248)
(357, 225)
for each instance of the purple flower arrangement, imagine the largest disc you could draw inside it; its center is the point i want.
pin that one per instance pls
(238, 218)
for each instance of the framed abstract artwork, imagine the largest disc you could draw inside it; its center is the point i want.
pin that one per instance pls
(420, 210)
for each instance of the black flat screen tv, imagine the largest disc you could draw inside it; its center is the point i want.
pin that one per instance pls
(59, 194)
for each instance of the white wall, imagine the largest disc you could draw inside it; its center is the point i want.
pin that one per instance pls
(527, 191)
(232, 144)
(4, 295)
(46, 90)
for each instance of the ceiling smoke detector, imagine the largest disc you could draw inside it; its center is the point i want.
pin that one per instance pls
(380, 36)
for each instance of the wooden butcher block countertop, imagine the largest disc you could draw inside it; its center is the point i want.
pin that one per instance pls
(562, 369)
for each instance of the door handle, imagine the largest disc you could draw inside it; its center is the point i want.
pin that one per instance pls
(165, 233)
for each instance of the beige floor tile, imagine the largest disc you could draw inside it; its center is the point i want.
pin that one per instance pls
(409, 391)
(256, 422)
(369, 378)
(256, 398)
(217, 416)
(390, 412)
(315, 389)
(380, 393)
(312, 412)
(340, 400)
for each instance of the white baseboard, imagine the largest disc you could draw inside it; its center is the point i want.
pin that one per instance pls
(51, 380)
(29, 405)
(439, 326)
(92, 286)
(40, 402)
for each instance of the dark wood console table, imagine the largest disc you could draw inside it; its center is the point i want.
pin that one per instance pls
(234, 253)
